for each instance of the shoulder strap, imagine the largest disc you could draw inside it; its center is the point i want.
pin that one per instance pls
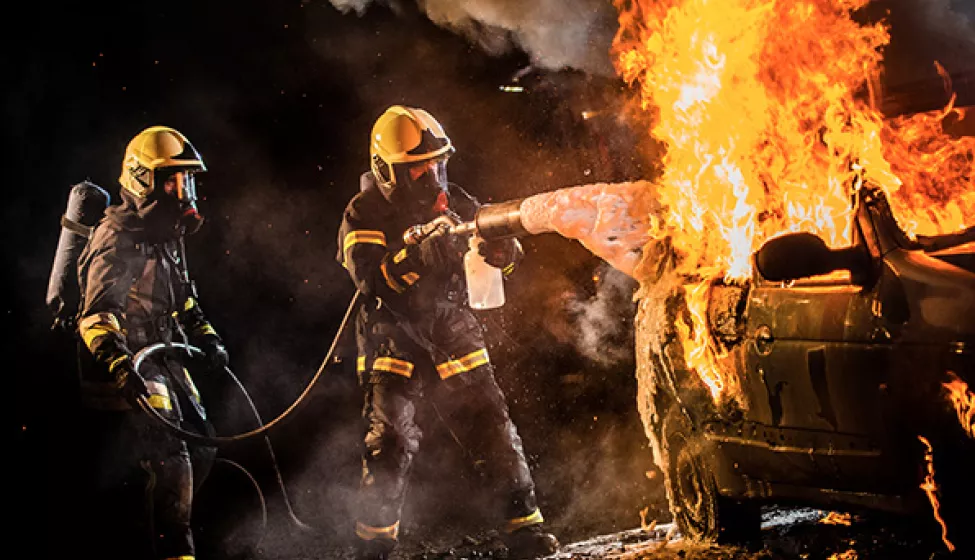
(75, 227)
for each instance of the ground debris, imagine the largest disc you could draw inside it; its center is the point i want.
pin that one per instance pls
(787, 534)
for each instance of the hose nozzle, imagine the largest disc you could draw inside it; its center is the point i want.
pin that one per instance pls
(492, 221)
(496, 221)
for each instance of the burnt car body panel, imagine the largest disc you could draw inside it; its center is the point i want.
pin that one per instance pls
(838, 373)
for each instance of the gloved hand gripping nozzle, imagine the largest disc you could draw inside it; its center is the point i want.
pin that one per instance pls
(492, 221)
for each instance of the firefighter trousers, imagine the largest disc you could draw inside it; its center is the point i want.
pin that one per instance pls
(135, 489)
(477, 414)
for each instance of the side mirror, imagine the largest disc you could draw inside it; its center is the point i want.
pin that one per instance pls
(800, 255)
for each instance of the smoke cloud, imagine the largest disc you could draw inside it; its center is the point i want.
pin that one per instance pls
(556, 34)
(604, 322)
(922, 33)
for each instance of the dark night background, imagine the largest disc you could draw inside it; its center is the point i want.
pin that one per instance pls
(279, 97)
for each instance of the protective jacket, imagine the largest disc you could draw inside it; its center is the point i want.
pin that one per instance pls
(415, 334)
(132, 297)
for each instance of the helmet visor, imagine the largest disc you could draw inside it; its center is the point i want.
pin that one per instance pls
(433, 170)
(182, 185)
(427, 180)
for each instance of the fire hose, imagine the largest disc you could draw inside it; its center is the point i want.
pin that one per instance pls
(491, 222)
(215, 441)
(495, 221)
(262, 428)
(200, 439)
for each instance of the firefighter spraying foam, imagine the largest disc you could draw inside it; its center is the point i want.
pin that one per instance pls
(135, 292)
(417, 336)
(613, 220)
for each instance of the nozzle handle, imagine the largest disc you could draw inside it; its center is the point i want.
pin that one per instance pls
(493, 221)
(437, 226)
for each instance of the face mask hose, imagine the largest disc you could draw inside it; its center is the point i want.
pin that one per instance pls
(217, 441)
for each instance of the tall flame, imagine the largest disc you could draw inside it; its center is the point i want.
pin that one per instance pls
(964, 402)
(764, 107)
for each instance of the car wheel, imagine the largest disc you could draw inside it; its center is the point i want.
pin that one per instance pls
(701, 513)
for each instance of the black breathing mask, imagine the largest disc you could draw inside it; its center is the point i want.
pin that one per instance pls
(182, 186)
(425, 183)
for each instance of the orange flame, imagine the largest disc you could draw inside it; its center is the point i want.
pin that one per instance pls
(644, 524)
(848, 555)
(699, 353)
(964, 401)
(931, 488)
(765, 110)
(836, 518)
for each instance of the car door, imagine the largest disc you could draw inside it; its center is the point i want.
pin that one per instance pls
(814, 363)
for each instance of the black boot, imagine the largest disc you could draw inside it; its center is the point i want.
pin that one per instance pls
(376, 549)
(530, 542)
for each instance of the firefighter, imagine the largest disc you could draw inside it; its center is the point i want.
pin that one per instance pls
(417, 337)
(135, 291)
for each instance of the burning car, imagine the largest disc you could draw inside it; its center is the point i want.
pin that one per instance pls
(845, 364)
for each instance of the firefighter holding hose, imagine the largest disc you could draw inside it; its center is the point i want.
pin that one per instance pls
(135, 292)
(418, 338)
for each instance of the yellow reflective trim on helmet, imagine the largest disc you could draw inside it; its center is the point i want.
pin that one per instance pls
(155, 148)
(399, 256)
(393, 365)
(475, 359)
(190, 304)
(368, 532)
(534, 518)
(399, 131)
(396, 287)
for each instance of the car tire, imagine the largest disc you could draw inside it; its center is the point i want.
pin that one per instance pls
(699, 510)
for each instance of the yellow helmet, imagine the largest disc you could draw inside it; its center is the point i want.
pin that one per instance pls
(155, 148)
(403, 136)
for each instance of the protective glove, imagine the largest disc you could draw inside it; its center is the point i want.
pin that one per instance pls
(128, 381)
(214, 352)
(438, 252)
(501, 253)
